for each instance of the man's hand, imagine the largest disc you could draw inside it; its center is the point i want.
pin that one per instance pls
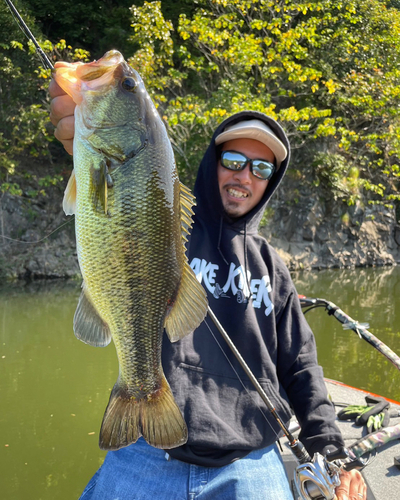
(352, 486)
(62, 115)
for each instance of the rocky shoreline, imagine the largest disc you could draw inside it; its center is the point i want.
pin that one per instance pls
(312, 237)
(37, 240)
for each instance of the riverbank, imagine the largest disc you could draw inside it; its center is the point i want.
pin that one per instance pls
(38, 241)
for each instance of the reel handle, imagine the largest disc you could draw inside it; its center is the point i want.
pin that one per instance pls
(339, 454)
(342, 454)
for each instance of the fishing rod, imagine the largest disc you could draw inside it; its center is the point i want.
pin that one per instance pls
(374, 440)
(24, 28)
(296, 446)
(350, 324)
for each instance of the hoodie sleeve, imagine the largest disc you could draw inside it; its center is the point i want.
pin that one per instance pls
(302, 379)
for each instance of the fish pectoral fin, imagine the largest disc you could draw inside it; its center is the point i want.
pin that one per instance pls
(154, 416)
(88, 326)
(100, 182)
(69, 201)
(189, 308)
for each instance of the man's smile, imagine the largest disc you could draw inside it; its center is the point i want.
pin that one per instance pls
(237, 193)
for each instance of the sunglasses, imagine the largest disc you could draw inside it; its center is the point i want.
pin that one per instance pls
(262, 169)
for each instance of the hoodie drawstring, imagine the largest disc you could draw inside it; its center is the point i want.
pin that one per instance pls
(246, 264)
(219, 242)
(245, 258)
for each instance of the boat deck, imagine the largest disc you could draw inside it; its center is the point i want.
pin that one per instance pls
(381, 475)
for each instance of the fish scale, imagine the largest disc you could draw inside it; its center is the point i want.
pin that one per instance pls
(131, 217)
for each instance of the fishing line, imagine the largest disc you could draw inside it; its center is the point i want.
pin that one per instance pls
(38, 241)
(241, 381)
(296, 446)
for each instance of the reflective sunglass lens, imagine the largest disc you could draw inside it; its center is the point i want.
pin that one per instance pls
(263, 169)
(233, 161)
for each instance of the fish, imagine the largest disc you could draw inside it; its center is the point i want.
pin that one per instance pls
(132, 218)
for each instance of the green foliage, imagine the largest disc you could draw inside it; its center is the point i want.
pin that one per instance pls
(25, 130)
(267, 217)
(333, 174)
(327, 70)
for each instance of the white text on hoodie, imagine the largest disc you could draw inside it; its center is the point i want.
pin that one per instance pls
(236, 284)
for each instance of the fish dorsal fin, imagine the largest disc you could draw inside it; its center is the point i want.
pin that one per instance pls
(88, 326)
(189, 309)
(187, 202)
(190, 305)
(69, 201)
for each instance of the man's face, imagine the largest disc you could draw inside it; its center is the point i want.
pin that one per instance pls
(241, 190)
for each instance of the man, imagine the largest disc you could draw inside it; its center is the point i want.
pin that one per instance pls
(231, 451)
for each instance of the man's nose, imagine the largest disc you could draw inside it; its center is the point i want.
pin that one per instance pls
(244, 176)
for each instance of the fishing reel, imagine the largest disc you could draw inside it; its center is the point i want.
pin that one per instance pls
(317, 480)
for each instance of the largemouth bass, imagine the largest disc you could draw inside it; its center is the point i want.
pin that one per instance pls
(131, 218)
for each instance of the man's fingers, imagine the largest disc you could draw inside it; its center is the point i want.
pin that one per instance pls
(61, 107)
(54, 89)
(62, 110)
(65, 129)
(65, 132)
(352, 486)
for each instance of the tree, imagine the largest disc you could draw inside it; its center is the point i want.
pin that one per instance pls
(25, 131)
(327, 70)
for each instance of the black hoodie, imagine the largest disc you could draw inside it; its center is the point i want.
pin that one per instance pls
(250, 291)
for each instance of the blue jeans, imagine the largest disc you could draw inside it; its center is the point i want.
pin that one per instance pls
(140, 472)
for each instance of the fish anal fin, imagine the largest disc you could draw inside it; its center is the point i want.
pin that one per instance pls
(155, 416)
(189, 308)
(69, 201)
(88, 325)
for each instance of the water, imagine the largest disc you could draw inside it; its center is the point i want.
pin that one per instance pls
(370, 295)
(54, 389)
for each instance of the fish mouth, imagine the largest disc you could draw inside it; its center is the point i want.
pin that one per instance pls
(96, 76)
(96, 69)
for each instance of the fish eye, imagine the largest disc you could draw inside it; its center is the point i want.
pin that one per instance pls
(129, 84)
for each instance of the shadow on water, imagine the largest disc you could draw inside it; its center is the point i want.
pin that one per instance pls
(54, 389)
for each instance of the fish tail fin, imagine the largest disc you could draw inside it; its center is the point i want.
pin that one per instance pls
(155, 416)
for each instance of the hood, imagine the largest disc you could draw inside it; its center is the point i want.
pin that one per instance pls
(206, 189)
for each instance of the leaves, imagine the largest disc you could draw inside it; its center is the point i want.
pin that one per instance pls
(328, 70)
(26, 132)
